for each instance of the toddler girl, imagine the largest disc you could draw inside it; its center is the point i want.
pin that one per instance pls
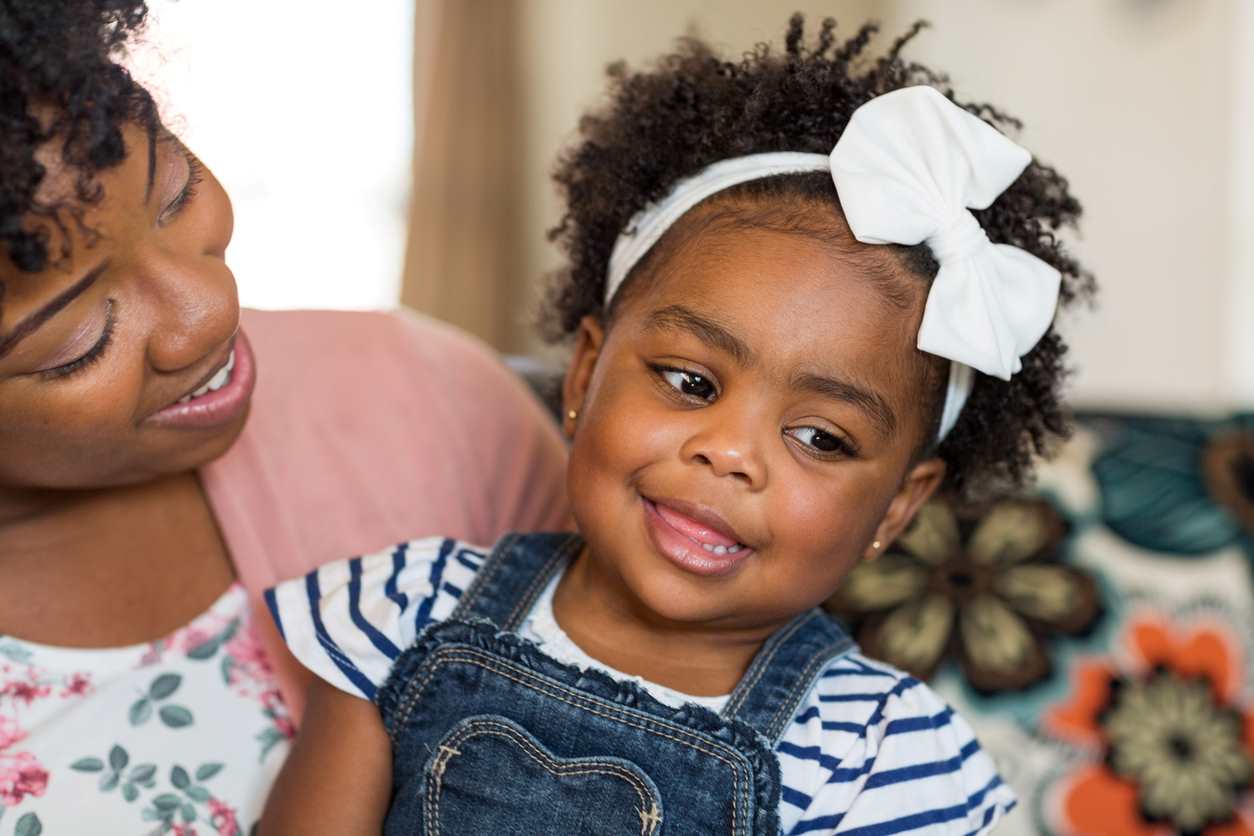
(790, 330)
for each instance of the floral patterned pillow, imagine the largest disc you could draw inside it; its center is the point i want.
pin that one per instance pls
(1098, 634)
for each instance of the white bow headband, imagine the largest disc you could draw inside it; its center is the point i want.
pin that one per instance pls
(907, 169)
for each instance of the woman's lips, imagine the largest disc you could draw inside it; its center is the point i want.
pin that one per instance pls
(220, 407)
(691, 544)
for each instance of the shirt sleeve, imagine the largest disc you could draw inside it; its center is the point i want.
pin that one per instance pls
(349, 620)
(875, 752)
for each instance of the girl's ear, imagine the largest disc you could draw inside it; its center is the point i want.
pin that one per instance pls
(588, 342)
(916, 489)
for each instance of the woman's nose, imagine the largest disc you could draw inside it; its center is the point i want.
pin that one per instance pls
(729, 445)
(195, 310)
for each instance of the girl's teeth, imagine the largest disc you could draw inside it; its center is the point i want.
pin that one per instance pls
(721, 550)
(222, 378)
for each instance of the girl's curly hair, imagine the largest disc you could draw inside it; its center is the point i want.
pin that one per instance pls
(60, 82)
(695, 108)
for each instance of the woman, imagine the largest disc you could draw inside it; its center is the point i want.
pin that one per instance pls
(148, 491)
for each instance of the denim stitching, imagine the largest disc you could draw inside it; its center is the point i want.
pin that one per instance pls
(489, 663)
(483, 576)
(483, 727)
(537, 584)
(748, 683)
(805, 683)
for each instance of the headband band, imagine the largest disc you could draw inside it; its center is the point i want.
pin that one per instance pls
(908, 167)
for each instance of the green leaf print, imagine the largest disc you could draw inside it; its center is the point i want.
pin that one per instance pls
(210, 647)
(130, 792)
(108, 781)
(179, 778)
(140, 711)
(29, 825)
(164, 685)
(143, 773)
(198, 793)
(15, 653)
(118, 759)
(167, 801)
(175, 716)
(207, 770)
(189, 812)
(204, 650)
(87, 765)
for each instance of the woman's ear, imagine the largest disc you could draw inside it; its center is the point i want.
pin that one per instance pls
(916, 489)
(588, 342)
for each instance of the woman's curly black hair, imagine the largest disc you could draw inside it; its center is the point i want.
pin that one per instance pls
(60, 83)
(695, 108)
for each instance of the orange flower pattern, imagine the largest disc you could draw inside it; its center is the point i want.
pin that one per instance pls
(1170, 743)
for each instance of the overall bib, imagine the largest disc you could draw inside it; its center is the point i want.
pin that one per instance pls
(491, 736)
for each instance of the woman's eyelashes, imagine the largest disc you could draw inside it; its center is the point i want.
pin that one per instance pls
(195, 175)
(92, 354)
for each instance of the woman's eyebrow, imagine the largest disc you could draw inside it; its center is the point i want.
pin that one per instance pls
(39, 317)
(871, 403)
(152, 158)
(707, 330)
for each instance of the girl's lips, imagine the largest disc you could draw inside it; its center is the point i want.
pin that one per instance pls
(218, 408)
(673, 543)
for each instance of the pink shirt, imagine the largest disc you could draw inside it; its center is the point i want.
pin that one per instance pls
(370, 429)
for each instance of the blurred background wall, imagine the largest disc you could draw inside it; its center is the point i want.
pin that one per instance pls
(412, 163)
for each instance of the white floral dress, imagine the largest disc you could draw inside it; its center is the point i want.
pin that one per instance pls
(182, 735)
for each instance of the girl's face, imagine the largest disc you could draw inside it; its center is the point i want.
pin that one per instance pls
(98, 350)
(746, 429)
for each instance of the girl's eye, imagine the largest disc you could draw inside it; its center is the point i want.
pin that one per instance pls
(818, 440)
(688, 383)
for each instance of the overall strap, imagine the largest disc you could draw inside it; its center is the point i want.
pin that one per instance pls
(514, 574)
(784, 671)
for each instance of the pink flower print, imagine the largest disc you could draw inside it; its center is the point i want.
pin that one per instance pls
(10, 732)
(77, 685)
(249, 658)
(276, 710)
(21, 775)
(182, 830)
(222, 817)
(28, 691)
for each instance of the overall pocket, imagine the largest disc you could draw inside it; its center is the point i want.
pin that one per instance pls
(490, 775)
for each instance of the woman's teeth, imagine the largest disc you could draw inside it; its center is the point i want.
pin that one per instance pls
(722, 549)
(222, 378)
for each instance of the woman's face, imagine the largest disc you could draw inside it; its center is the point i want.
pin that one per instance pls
(746, 429)
(100, 351)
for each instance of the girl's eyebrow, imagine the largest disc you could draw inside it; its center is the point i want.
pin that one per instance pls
(871, 403)
(703, 328)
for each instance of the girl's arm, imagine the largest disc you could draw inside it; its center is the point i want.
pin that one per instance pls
(338, 777)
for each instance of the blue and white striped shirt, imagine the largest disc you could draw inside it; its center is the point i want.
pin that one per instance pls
(871, 751)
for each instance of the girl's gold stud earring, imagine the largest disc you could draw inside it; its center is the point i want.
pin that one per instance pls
(876, 545)
(573, 414)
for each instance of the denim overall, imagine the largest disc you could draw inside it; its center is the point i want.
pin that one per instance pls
(491, 736)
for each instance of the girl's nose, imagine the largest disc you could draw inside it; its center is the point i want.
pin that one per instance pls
(727, 445)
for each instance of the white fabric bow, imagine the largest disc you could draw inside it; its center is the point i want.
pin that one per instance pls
(907, 169)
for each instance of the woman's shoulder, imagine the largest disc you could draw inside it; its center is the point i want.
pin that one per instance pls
(349, 620)
(369, 343)
(872, 746)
